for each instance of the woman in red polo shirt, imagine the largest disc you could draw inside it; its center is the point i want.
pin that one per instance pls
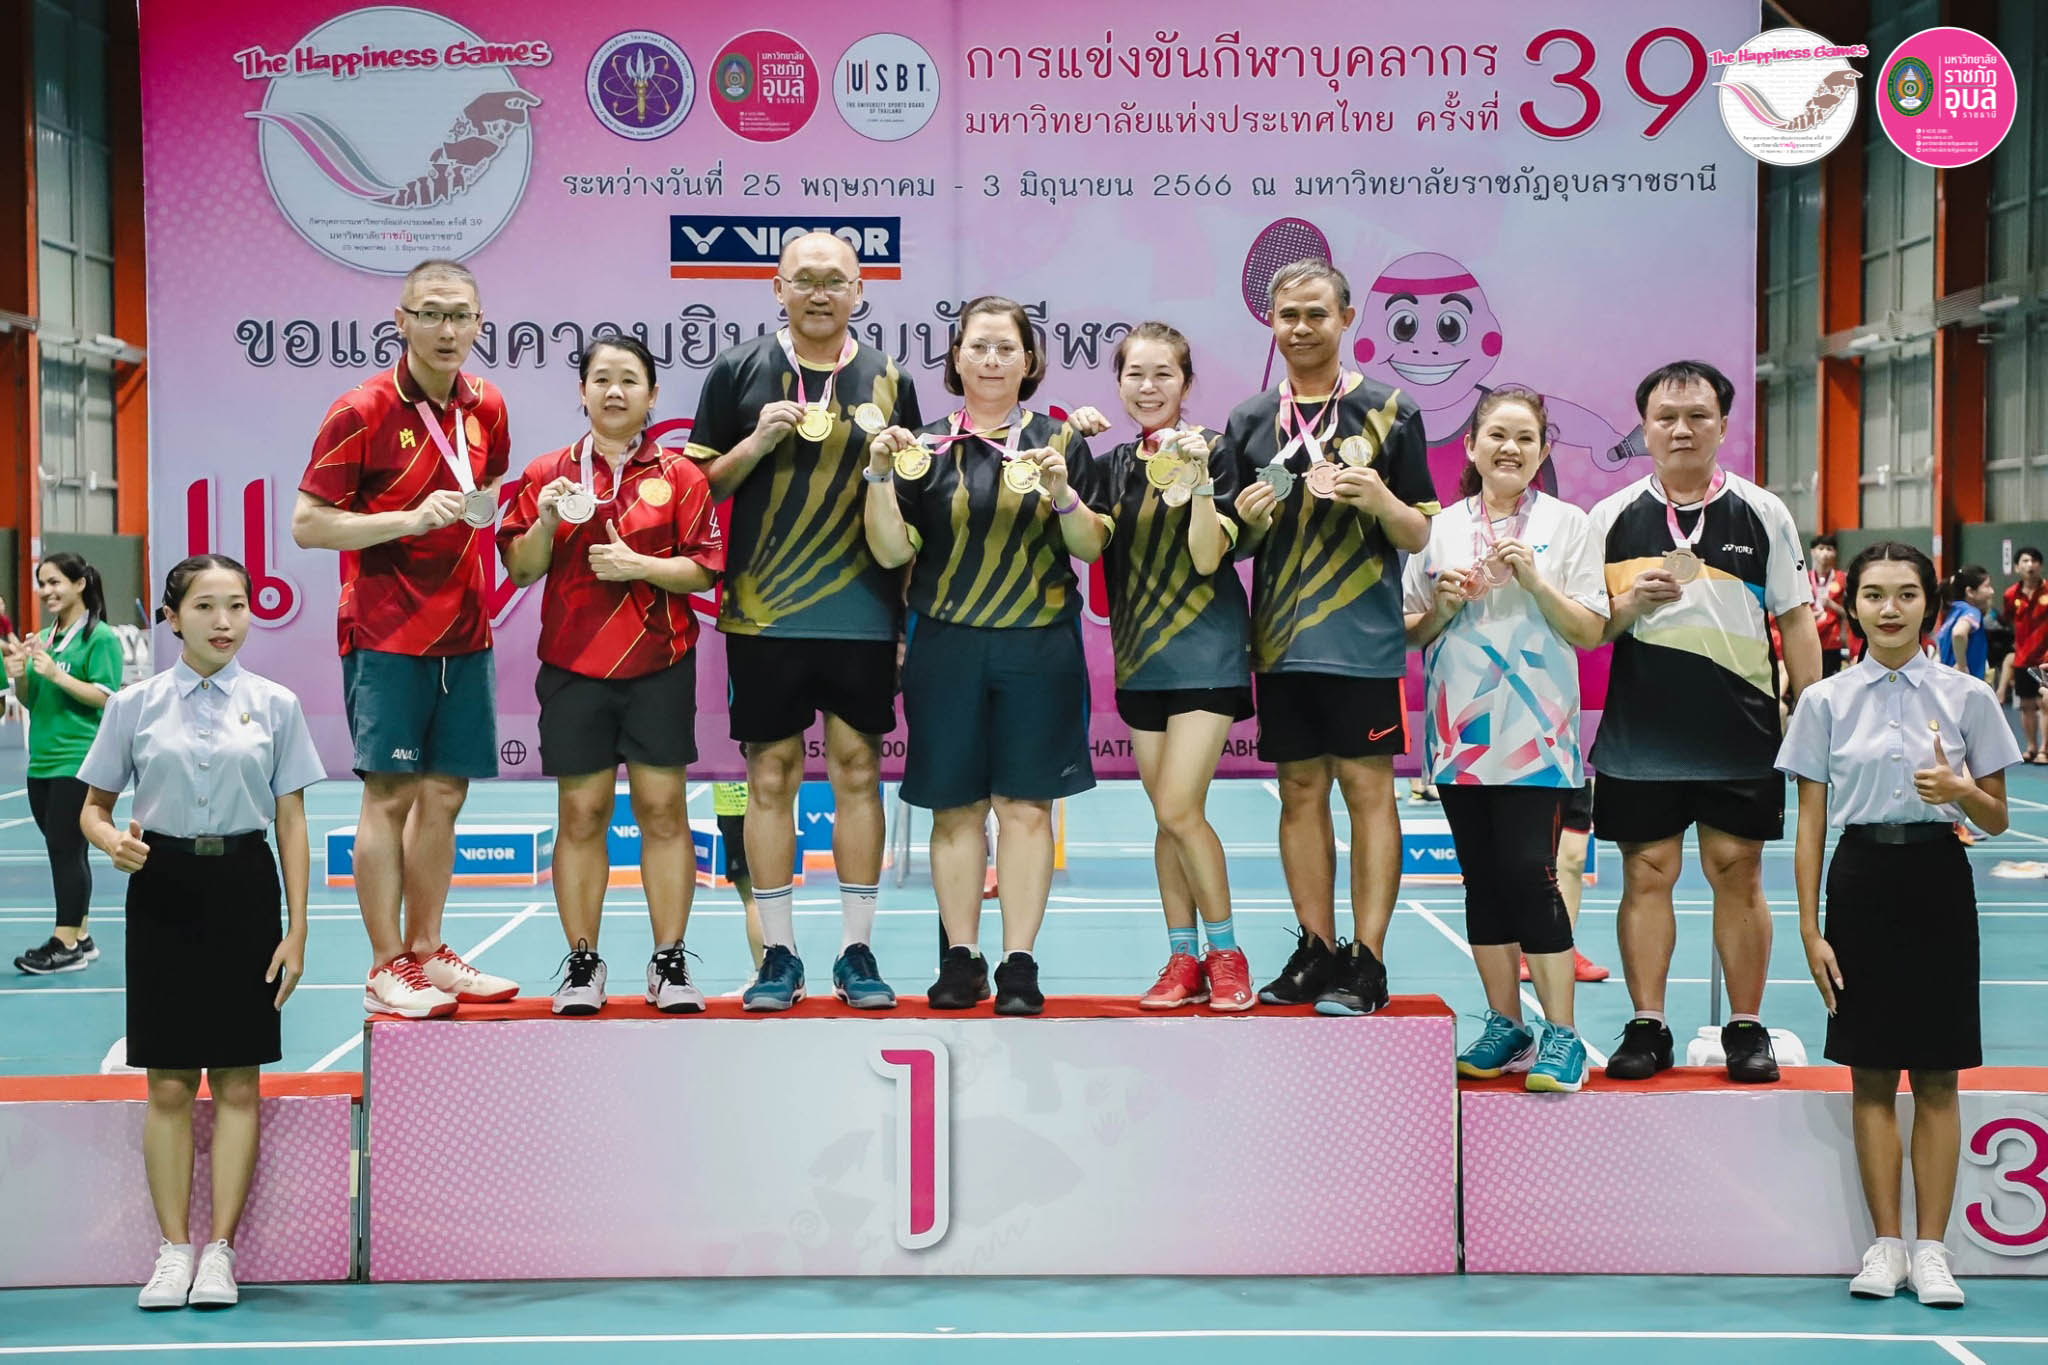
(624, 532)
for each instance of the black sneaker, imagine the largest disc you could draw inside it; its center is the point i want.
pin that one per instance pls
(53, 957)
(963, 980)
(1017, 986)
(1645, 1050)
(1309, 971)
(89, 948)
(1750, 1059)
(1357, 986)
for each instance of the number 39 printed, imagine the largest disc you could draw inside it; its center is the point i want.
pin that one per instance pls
(921, 1069)
(2022, 1175)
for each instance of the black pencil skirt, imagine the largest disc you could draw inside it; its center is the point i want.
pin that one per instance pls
(1902, 919)
(201, 932)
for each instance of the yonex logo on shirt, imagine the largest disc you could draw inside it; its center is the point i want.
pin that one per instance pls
(1732, 548)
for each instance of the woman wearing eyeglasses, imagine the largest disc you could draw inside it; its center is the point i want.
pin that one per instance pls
(991, 506)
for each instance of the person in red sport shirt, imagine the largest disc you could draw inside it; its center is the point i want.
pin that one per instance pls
(403, 481)
(1830, 616)
(624, 532)
(2026, 607)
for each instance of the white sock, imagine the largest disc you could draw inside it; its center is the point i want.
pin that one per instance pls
(857, 914)
(1657, 1015)
(185, 1247)
(1921, 1244)
(778, 916)
(1744, 1019)
(1898, 1242)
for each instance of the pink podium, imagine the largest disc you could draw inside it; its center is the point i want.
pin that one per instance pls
(1687, 1174)
(1094, 1141)
(78, 1208)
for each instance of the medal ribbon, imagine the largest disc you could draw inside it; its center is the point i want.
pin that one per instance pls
(824, 393)
(457, 458)
(1484, 541)
(56, 645)
(1680, 540)
(1008, 450)
(1303, 434)
(589, 442)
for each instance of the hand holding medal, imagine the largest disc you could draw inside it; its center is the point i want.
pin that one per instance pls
(1259, 501)
(549, 504)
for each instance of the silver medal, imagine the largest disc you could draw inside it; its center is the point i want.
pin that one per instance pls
(479, 508)
(577, 506)
(1279, 478)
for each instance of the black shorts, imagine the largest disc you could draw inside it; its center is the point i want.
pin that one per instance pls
(1578, 808)
(1630, 812)
(733, 829)
(591, 725)
(1151, 709)
(780, 683)
(2025, 685)
(994, 713)
(1322, 715)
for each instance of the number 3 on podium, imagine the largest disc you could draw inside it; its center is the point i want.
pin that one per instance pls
(921, 1070)
(2023, 1177)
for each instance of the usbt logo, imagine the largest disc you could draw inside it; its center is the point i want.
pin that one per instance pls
(388, 124)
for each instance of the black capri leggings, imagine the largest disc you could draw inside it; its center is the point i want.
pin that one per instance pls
(1507, 849)
(55, 802)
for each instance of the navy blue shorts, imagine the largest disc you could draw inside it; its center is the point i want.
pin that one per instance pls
(409, 714)
(994, 713)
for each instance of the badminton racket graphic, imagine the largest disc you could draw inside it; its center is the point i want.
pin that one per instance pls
(1280, 243)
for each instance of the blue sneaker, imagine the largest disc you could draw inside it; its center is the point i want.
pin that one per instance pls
(1503, 1045)
(858, 981)
(780, 982)
(1560, 1062)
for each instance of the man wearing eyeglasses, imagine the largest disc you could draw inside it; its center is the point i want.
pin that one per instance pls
(810, 619)
(403, 481)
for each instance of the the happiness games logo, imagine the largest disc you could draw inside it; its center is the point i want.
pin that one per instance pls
(392, 133)
(1788, 95)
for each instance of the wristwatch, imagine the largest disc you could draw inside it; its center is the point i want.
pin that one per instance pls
(871, 476)
(1205, 489)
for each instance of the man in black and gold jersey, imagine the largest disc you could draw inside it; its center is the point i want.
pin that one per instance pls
(809, 618)
(1335, 472)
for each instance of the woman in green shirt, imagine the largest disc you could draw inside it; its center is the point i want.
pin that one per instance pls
(63, 677)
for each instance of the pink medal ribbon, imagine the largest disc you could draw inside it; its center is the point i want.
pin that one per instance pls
(1489, 571)
(478, 507)
(1682, 562)
(817, 406)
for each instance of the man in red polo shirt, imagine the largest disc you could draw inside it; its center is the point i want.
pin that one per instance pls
(2026, 607)
(1830, 613)
(403, 481)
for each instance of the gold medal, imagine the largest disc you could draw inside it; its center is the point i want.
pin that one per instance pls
(656, 492)
(913, 462)
(1682, 564)
(1322, 479)
(1022, 476)
(817, 423)
(869, 418)
(1160, 469)
(1356, 451)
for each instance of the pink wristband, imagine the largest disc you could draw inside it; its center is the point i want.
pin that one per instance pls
(1071, 507)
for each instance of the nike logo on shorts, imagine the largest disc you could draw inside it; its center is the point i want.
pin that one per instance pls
(1375, 736)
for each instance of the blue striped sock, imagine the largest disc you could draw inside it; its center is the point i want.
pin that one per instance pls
(1183, 940)
(1222, 934)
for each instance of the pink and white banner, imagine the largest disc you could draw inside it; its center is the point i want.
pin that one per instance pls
(1541, 198)
(915, 1144)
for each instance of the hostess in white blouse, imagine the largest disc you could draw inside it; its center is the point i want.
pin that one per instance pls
(206, 755)
(1868, 729)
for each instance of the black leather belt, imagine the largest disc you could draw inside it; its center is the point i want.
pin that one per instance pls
(1919, 832)
(206, 845)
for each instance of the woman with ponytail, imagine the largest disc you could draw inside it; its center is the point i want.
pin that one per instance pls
(1960, 639)
(63, 676)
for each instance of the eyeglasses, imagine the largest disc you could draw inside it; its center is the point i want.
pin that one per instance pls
(1002, 352)
(434, 317)
(807, 284)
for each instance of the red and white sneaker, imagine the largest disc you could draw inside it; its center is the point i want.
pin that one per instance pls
(400, 987)
(1180, 983)
(451, 974)
(1586, 969)
(1525, 968)
(1230, 980)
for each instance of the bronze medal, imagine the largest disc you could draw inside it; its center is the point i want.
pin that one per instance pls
(1682, 564)
(1322, 479)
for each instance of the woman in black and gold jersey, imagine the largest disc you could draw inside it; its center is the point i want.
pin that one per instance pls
(1180, 632)
(991, 503)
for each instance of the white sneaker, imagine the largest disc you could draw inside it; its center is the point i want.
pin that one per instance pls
(452, 975)
(214, 1285)
(1884, 1270)
(171, 1280)
(582, 988)
(669, 988)
(1932, 1280)
(400, 987)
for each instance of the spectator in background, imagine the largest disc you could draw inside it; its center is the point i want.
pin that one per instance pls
(2026, 610)
(1960, 641)
(1829, 616)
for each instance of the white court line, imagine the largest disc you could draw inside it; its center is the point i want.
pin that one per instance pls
(1959, 1351)
(1808, 981)
(17, 820)
(1172, 1334)
(1274, 850)
(1594, 1056)
(355, 1040)
(123, 990)
(18, 791)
